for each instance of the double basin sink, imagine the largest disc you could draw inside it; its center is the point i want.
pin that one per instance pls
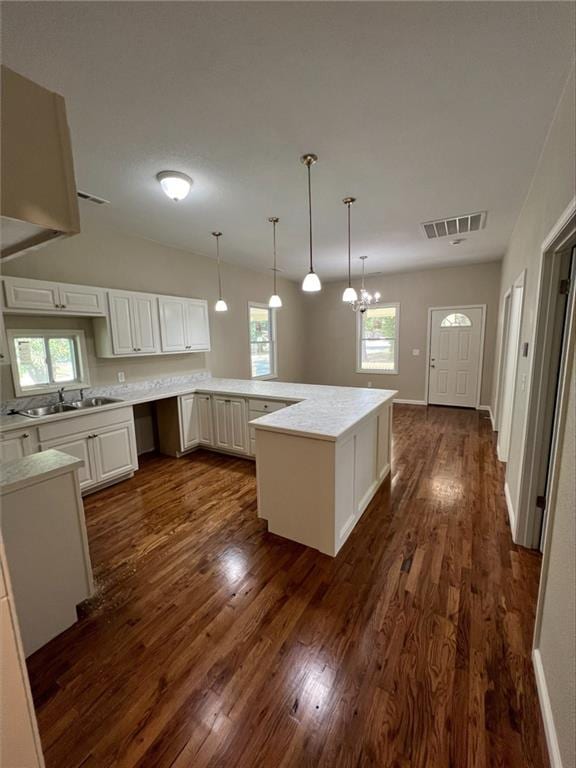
(73, 405)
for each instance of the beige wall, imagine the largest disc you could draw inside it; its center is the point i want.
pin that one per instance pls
(115, 260)
(331, 325)
(552, 189)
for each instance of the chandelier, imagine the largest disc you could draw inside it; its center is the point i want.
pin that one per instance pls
(365, 299)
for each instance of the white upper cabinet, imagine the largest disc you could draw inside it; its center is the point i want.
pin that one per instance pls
(82, 299)
(183, 324)
(133, 323)
(47, 298)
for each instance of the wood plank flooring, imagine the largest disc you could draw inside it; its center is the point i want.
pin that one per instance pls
(213, 644)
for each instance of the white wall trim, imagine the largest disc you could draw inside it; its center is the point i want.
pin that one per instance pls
(560, 235)
(429, 341)
(510, 507)
(502, 339)
(546, 710)
(488, 409)
(409, 402)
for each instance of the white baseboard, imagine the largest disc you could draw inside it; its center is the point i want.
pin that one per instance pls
(546, 709)
(511, 513)
(401, 401)
(489, 409)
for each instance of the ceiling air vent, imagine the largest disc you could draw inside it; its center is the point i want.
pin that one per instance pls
(455, 225)
(92, 198)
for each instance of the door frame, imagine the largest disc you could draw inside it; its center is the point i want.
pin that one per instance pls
(505, 310)
(519, 282)
(482, 307)
(561, 236)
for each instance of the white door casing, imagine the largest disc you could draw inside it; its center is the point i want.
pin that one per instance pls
(455, 355)
(510, 361)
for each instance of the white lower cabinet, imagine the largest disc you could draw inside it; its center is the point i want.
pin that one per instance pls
(189, 431)
(205, 426)
(257, 408)
(18, 443)
(230, 433)
(106, 442)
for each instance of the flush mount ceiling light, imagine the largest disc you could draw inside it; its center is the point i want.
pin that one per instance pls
(220, 305)
(175, 185)
(311, 282)
(275, 300)
(349, 294)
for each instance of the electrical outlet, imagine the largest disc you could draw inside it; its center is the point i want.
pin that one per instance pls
(121, 377)
(369, 384)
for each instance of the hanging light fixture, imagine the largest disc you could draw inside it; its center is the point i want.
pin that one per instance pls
(349, 294)
(220, 305)
(362, 303)
(311, 282)
(175, 185)
(275, 300)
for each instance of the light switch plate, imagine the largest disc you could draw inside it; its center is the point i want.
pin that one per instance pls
(121, 377)
(416, 352)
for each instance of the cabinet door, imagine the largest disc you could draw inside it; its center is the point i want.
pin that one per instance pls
(221, 422)
(173, 320)
(82, 299)
(123, 341)
(237, 425)
(189, 435)
(31, 294)
(19, 736)
(145, 323)
(204, 408)
(79, 446)
(197, 327)
(15, 445)
(114, 452)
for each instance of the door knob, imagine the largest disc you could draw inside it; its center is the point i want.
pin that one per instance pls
(432, 365)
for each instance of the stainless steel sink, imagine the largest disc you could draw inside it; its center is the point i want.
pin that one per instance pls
(47, 410)
(74, 405)
(94, 402)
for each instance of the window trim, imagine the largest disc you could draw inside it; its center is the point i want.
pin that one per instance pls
(42, 389)
(369, 371)
(274, 341)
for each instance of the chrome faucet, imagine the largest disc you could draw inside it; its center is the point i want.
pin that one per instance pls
(61, 395)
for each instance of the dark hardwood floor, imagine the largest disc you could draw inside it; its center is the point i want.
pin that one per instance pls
(211, 643)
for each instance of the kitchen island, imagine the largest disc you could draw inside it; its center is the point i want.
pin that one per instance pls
(321, 451)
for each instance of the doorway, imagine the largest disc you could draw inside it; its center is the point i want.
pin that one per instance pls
(456, 343)
(510, 365)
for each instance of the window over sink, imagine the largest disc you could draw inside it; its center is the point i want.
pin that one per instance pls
(44, 361)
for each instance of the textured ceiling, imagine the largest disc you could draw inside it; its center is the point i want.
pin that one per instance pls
(420, 110)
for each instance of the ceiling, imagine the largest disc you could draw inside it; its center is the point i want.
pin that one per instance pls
(420, 110)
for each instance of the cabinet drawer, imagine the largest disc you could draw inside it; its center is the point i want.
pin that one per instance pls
(78, 424)
(265, 406)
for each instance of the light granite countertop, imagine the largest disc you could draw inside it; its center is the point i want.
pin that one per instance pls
(28, 470)
(323, 412)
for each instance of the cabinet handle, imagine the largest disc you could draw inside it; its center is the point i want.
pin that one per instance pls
(26, 434)
(1, 356)
(62, 306)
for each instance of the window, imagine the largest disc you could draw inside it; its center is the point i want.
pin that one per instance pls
(378, 339)
(262, 328)
(44, 361)
(455, 319)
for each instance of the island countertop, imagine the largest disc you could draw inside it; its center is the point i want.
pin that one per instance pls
(323, 412)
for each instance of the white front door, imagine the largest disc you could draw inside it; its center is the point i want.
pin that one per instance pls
(455, 352)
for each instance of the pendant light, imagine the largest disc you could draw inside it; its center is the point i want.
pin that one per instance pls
(349, 294)
(220, 305)
(275, 300)
(311, 282)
